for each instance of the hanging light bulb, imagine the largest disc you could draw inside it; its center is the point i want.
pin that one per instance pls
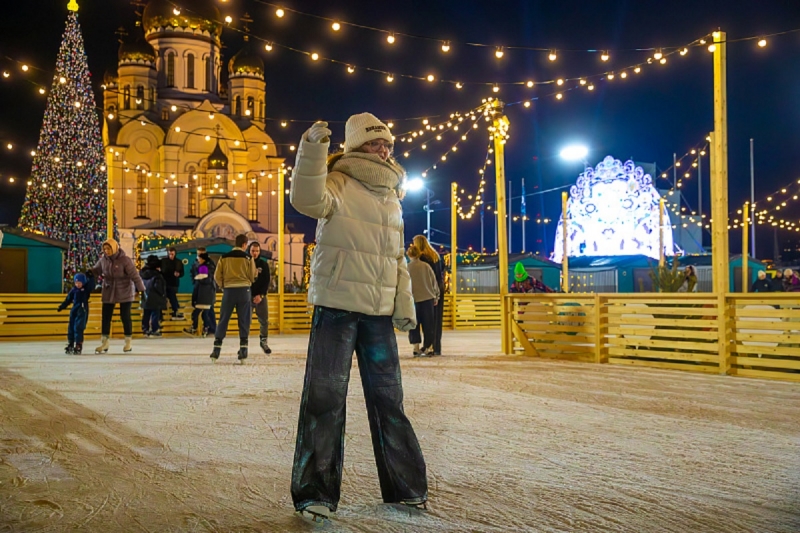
(229, 19)
(496, 89)
(176, 11)
(315, 56)
(605, 56)
(684, 51)
(446, 46)
(279, 13)
(663, 61)
(498, 53)
(390, 38)
(637, 70)
(559, 96)
(459, 85)
(350, 69)
(430, 77)
(712, 48)
(658, 55)
(610, 76)
(762, 43)
(268, 47)
(41, 90)
(336, 26)
(527, 103)
(559, 81)
(623, 75)
(552, 56)
(389, 78)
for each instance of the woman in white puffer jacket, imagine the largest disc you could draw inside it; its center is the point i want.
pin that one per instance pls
(361, 291)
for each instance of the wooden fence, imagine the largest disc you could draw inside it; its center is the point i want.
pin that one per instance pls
(33, 317)
(756, 335)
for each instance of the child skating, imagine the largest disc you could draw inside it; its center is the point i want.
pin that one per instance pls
(155, 297)
(78, 296)
(204, 295)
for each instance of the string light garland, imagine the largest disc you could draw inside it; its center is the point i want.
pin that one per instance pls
(62, 208)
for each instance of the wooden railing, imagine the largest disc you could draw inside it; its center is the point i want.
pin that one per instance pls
(31, 317)
(737, 334)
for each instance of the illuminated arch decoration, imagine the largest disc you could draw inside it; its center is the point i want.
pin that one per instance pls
(613, 210)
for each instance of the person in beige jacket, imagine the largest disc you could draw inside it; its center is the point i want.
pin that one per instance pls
(425, 290)
(235, 273)
(361, 291)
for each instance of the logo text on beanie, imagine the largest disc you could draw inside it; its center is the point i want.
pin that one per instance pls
(377, 127)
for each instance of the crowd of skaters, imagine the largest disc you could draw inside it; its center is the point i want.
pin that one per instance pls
(786, 280)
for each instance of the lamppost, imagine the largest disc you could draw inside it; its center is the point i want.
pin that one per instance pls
(416, 184)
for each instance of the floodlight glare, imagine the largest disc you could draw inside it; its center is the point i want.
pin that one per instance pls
(414, 184)
(574, 153)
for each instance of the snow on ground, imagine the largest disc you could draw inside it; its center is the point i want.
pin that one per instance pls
(161, 440)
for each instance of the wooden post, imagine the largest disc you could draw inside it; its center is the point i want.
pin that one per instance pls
(281, 245)
(719, 173)
(109, 194)
(723, 332)
(453, 253)
(501, 125)
(745, 236)
(565, 259)
(661, 258)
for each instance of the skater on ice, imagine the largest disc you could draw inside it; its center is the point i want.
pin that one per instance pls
(361, 292)
(235, 274)
(430, 256)
(121, 282)
(426, 298)
(259, 293)
(211, 265)
(172, 269)
(155, 297)
(78, 296)
(204, 295)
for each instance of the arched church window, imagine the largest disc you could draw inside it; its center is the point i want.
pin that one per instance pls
(140, 97)
(252, 198)
(171, 69)
(190, 71)
(209, 72)
(191, 208)
(251, 106)
(141, 193)
(151, 101)
(237, 106)
(126, 97)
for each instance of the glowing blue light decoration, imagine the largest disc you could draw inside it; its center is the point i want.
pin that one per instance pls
(613, 210)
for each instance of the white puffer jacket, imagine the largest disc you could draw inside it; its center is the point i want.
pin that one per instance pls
(359, 262)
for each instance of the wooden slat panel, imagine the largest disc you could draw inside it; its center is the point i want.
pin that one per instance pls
(688, 347)
(706, 369)
(767, 350)
(659, 354)
(765, 374)
(678, 333)
(671, 311)
(787, 364)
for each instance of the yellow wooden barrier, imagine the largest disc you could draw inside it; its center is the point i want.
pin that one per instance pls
(754, 335)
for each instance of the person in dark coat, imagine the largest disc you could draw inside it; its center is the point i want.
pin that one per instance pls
(204, 294)
(79, 314)
(155, 297)
(777, 281)
(210, 313)
(121, 282)
(258, 291)
(172, 269)
(433, 259)
(762, 284)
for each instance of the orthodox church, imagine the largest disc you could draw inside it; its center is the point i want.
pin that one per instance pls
(187, 150)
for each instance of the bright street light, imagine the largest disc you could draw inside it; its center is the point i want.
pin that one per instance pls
(575, 153)
(414, 184)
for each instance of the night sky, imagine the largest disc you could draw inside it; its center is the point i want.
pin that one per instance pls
(647, 117)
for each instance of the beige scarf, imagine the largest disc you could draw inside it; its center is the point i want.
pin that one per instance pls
(372, 171)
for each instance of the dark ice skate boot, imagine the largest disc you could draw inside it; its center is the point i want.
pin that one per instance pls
(217, 348)
(191, 331)
(78, 348)
(242, 352)
(69, 349)
(316, 513)
(264, 345)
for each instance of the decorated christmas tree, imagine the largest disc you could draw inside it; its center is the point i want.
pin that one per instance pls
(66, 197)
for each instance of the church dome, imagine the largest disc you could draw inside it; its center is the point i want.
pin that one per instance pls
(246, 62)
(202, 15)
(217, 160)
(140, 50)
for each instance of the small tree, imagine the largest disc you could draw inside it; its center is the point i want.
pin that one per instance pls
(666, 278)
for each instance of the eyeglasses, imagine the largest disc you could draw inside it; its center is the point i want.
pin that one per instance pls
(377, 145)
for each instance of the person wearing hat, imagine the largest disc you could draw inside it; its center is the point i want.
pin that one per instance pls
(155, 296)
(361, 292)
(522, 281)
(78, 296)
(204, 295)
(121, 282)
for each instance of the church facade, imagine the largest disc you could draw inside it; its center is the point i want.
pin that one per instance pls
(187, 155)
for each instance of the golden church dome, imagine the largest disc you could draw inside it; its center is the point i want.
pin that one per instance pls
(246, 62)
(202, 15)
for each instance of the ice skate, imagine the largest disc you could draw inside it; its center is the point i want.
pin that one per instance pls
(205, 333)
(103, 348)
(242, 354)
(316, 513)
(157, 334)
(178, 316)
(416, 350)
(265, 346)
(78, 348)
(417, 503)
(191, 331)
(127, 347)
(69, 349)
(217, 349)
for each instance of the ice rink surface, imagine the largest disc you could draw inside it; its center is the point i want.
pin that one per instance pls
(161, 440)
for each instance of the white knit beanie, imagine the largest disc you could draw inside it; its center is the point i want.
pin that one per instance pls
(363, 128)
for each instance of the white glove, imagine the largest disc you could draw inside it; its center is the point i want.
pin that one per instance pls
(319, 132)
(404, 324)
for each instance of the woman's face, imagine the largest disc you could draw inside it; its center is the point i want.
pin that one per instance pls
(107, 249)
(381, 147)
